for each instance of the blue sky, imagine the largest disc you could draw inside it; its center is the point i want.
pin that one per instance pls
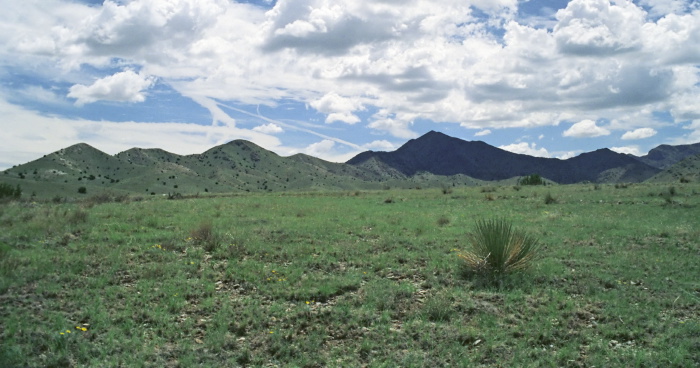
(334, 78)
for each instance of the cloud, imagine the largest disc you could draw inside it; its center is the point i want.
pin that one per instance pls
(566, 154)
(585, 129)
(629, 150)
(640, 133)
(598, 28)
(39, 135)
(482, 133)
(659, 8)
(338, 108)
(380, 145)
(525, 148)
(40, 94)
(398, 126)
(270, 128)
(475, 62)
(124, 86)
(320, 149)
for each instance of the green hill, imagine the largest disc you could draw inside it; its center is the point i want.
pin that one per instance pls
(238, 166)
(687, 170)
(434, 160)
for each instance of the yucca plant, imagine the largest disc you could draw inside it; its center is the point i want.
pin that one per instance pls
(497, 248)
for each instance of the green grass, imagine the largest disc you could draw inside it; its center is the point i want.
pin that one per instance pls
(348, 279)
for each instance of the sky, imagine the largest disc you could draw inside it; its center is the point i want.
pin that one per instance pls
(332, 79)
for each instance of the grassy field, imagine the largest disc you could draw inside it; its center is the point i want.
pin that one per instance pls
(352, 279)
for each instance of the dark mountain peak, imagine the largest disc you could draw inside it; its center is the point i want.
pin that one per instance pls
(439, 142)
(665, 156)
(440, 154)
(433, 137)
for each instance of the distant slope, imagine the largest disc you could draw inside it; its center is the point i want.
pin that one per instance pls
(237, 166)
(687, 170)
(665, 156)
(434, 159)
(440, 154)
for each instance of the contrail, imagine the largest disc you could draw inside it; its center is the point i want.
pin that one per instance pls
(260, 116)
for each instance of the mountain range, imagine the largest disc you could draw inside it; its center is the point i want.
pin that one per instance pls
(434, 159)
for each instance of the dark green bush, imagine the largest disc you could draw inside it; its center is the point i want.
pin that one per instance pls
(7, 191)
(548, 199)
(534, 179)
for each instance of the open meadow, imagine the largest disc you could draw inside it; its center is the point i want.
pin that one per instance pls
(352, 278)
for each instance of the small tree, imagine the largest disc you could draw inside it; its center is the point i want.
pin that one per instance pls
(7, 191)
(534, 179)
(82, 190)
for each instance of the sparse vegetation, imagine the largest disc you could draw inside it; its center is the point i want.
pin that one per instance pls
(488, 189)
(205, 236)
(443, 220)
(350, 282)
(549, 199)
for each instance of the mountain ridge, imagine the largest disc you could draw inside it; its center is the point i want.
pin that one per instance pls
(441, 154)
(434, 159)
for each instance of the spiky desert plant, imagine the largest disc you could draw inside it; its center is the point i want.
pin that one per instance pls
(496, 247)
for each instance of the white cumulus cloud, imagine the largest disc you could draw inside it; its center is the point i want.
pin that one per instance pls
(597, 27)
(585, 129)
(525, 148)
(473, 62)
(338, 108)
(270, 128)
(482, 133)
(640, 133)
(320, 149)
(380, 145)
(124, 86)
(630, 150)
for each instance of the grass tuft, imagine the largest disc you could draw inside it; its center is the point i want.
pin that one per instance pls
(549, 199)
(443, 220)
(205, 236)
(497, 248)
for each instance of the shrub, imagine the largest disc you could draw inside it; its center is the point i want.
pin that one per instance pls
(205, 236)
(80, 216)
(82, 190)
(7, 191)
(496, 248)
(443, 220)
(534, 179)
(548, 199)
